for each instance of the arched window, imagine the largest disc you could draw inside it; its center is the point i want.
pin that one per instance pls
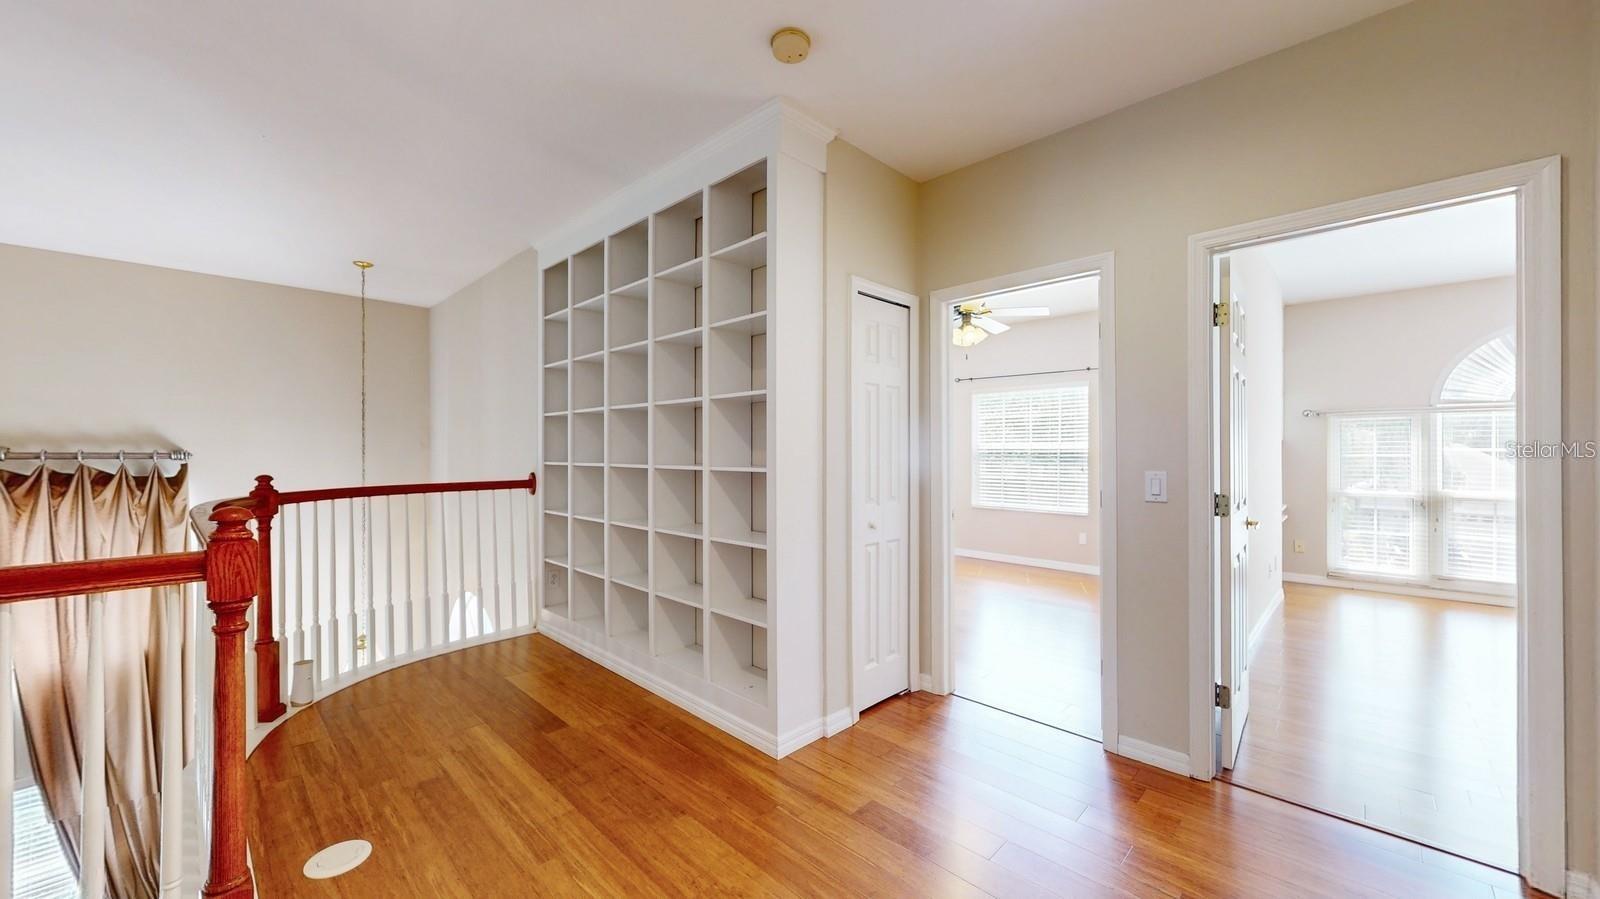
(1488, 374)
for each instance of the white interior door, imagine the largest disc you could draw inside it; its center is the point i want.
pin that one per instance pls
(880, 484)
(1233, 431)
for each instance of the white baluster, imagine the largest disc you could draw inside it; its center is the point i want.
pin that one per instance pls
(316, 655)
(281, 619)
(351, 625)
(477, 552)
(444, 572)
(410, 621)
(529, 553)
(494, 531)
(8, 758)
(371, 628)
(92, 812)
(461, 567)
(172, 745)
(427, 577)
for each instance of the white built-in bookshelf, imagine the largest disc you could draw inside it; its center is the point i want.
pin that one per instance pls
(663, 389)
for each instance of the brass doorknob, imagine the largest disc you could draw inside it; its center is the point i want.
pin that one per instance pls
(1251, 524)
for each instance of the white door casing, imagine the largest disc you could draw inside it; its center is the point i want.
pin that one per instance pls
(880, 501)
(1233, 379)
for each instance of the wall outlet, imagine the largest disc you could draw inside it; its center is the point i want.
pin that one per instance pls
(1299, 546)
(1083, 539)
(555, 578)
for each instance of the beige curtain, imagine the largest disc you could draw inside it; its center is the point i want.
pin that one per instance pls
(89, 514)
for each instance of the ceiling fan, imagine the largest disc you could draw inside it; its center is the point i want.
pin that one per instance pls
(975, 321)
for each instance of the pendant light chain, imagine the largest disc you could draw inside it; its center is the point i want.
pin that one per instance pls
(364, 638)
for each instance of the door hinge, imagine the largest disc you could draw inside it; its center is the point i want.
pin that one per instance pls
(1219, 314)
(1221, 697)
(1219, 505)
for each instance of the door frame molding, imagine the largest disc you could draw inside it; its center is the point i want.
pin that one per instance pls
(941, 552)
(915, 447)
(1541, 707)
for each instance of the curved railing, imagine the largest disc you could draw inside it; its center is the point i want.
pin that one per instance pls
(357, 580)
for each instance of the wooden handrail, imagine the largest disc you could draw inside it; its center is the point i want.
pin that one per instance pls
(314, 496)
(228, 568)
(24, 582)
(263, 504)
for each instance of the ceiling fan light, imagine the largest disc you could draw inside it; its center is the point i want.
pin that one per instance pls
(967, 334)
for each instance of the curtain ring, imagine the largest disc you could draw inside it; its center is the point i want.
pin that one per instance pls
(122, 457)
(80, 457)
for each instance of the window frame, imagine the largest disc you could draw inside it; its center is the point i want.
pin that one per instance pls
(974, 497)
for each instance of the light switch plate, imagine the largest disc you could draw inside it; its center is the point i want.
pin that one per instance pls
(1155, 486)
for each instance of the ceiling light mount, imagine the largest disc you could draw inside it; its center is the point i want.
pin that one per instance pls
(790, 45)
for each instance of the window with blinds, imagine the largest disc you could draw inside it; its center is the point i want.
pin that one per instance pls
(1431, 496)
(1376, 489)
(1477, 495)
(1030, 450)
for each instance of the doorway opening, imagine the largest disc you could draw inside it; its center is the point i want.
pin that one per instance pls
(1375, 636)
(1025, 460)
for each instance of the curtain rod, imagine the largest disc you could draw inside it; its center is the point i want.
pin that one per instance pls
(1029, 374)
(7, 454)
(1411, 410)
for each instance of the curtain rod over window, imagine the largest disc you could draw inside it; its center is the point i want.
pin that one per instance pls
(1029, 374)
(7, 454)
(1411, 410)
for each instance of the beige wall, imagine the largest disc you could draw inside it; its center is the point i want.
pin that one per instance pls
(1364, 353)
(1070, 341)
(871, 221)
(1256, 290)
(252, 378)
(486, 399)
(1430, 90)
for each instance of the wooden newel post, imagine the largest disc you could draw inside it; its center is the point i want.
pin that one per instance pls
(269, 677)
(231, 582)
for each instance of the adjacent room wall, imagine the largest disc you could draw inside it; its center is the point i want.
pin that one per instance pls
(252, 378)
(1256, 290)
(1430, 90)
(1368, 353)
(1069, 341)
(485, 375)
(871, 223)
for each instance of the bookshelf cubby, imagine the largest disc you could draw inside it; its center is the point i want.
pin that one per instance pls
(667, 436)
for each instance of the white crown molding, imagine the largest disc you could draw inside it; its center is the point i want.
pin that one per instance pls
(779, 126)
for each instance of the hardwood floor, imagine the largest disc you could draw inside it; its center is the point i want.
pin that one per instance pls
(1395, 710)
(522, 769)
(1027, 640)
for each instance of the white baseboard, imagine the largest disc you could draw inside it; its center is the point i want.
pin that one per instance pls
(1051, 564)
(1582, 886)
(837, 721)
(925, 683)
(701, 708)
(1151, 754)
(1350, 583)
(1260, 630)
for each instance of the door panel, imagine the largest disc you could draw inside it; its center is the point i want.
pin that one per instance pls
(1234, 534)
(880, 508)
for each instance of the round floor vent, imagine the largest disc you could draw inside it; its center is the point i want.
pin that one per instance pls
(340, 858)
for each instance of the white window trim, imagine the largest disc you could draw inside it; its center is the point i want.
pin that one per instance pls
(1089, 443)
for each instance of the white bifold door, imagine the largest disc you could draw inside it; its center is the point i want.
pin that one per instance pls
(880, 483)
(1233, 511)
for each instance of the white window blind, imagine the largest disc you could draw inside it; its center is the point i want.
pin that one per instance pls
(1031, 449)
(1377, 509)
(1477, 495)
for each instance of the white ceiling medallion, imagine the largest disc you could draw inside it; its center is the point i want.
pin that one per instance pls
(340, 858)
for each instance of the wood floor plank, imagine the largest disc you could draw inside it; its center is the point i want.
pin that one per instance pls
(521, 769)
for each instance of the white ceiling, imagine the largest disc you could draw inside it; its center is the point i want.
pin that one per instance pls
(1442, 246)
(1060, 297)
(277, 141)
